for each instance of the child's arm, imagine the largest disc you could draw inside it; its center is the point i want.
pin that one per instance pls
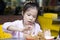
(11, 26)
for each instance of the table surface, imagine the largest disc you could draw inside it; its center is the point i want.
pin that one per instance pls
(12, 39)
(17, 39)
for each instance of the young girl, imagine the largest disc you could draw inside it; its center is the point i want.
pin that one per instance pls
(26, 26)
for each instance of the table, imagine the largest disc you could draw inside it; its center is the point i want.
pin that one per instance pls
(12, 39)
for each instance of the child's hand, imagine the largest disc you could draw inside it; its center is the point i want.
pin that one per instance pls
(26, 28)
(29, 27)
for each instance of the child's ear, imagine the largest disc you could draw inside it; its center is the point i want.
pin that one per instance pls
(22, 13)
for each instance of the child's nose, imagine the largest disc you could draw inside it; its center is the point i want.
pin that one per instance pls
(31, 18)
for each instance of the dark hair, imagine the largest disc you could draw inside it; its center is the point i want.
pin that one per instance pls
(30, 5)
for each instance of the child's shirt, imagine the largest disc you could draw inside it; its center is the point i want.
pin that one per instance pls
(19, 24)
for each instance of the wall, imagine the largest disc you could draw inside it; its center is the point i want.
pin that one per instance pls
(7, 18)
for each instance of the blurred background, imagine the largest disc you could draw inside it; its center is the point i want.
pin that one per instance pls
(14, 7)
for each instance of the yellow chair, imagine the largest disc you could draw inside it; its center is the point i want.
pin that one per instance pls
(51, 15)
(53, 27)
(46, 22)
(4, 34)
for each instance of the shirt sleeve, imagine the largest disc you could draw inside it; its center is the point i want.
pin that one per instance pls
(7, 24)
(37, 29)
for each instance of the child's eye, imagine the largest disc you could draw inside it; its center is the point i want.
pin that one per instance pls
(28, 14)
(34, 16)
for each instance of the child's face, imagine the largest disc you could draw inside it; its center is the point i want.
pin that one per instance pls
(30, 15)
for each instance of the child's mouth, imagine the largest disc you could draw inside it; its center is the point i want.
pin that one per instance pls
(30, 23)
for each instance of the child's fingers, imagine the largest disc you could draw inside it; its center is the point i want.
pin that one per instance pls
(27, 28)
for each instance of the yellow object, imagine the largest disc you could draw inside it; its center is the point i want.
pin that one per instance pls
(46, 22)
(4, 34)
(50, 15)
